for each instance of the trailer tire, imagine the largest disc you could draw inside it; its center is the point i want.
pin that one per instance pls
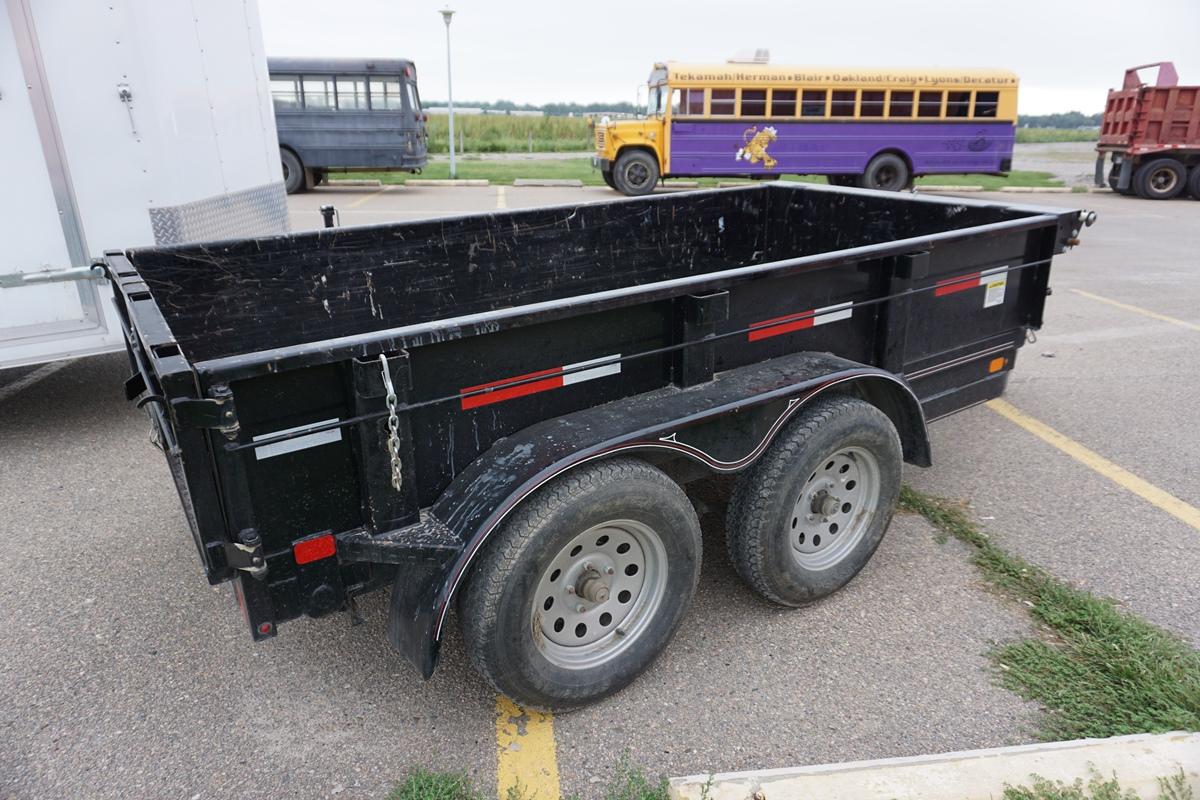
(1160, 179)
(618, 538)
(834, 470)
(635, 173)
(293, 171)
(886, 172)
(1194, 182)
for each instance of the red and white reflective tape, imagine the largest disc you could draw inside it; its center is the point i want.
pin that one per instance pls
(969, 281)
(533, 382)
(778, 326)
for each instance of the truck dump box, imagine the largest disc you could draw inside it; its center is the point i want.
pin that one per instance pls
(1152, 134)
(351, 408)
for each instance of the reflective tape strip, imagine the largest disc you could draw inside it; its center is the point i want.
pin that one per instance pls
(485, 394)
(777, 326)
(300, 442)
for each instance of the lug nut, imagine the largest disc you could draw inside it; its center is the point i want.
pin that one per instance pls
(609, 570)
(581, 608)
(587, 566)
(570, 590)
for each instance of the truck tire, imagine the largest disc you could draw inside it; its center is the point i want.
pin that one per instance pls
(1114, 182)
(293, 171)
(1194, 182)
(635, 173)
(809, 514)
(887, 172)
(1160, 179)
(618, 539)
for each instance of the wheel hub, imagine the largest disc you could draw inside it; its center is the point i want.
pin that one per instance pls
(598, 593)
(835, 508)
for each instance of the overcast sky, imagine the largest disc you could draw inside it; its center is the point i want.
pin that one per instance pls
(1067, 53)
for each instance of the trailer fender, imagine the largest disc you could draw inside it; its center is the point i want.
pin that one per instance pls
(725, 424)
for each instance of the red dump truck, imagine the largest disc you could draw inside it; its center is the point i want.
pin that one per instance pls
(1152, 132)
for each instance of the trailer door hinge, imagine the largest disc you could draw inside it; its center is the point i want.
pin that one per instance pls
(245, 557)
(215, 413)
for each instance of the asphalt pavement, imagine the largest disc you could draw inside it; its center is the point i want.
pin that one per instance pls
(128, 676)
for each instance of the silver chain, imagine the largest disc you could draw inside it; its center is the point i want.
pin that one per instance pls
(393, 423)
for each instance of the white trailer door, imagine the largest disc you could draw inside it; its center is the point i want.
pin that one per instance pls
(39, 216)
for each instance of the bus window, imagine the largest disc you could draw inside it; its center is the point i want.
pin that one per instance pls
(872, 104)
(812, 103)
(721, 102)
(754, 102)
(318, 93)
(986, 103)
(414, 103)
(958, 104)
(843, 104)
(929, 104)
(351, 94)
(385, 94)
(691, 102)
(285, 92)
(901, 105)
(783, 103)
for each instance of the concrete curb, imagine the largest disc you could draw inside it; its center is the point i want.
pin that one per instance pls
(446, 182)
(938, 188)
(355, 182)
(1037, 189)
(1137, 761)
(547, 182)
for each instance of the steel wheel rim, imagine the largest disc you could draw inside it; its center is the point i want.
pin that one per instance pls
(622, 559)
(885, 176)
(637, 174)
(1164, 180)
(835, 508)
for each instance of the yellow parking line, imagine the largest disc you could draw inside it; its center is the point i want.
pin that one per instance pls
(501, 201)
(525, 757)
(1145, 312)
(1165, 501)
(366, 198)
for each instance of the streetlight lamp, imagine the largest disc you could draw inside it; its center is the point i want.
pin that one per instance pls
(447, 13)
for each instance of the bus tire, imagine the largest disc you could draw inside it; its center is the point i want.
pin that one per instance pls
(618, 539)
(887, 172)
(635, 173)
(293, 171)
(608, 178)
(1160, 179)
(843, 180)
(1194, 182)
(810, 513)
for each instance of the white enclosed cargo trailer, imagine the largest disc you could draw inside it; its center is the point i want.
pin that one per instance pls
(122, 124)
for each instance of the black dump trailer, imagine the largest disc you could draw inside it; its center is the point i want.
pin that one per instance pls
(499, 410)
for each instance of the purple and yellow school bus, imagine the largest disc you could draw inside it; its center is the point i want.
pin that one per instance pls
(875, 127)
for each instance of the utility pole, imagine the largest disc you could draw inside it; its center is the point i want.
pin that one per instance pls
(447, 13)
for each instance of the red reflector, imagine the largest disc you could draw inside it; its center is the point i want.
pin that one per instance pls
(314, 549)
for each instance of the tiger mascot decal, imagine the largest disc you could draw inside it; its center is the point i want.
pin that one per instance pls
(755, 143)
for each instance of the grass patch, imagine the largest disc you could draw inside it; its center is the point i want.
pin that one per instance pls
(504, 172)
(1097, 788)
(1039, 135)
(631, 783)
(423, 785)
(1099, 671)
(501, 133)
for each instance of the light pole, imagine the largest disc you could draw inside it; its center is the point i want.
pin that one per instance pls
(447, 13)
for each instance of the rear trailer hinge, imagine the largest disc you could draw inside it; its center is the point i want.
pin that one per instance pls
(246, 555)
(216, 413)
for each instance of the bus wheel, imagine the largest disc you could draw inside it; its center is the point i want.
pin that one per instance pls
(293, 171)
(583, 586)
(808, 515)
(1160, 179)
(635, 173)
(608, 179)
(842, 180)
(887, 172)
